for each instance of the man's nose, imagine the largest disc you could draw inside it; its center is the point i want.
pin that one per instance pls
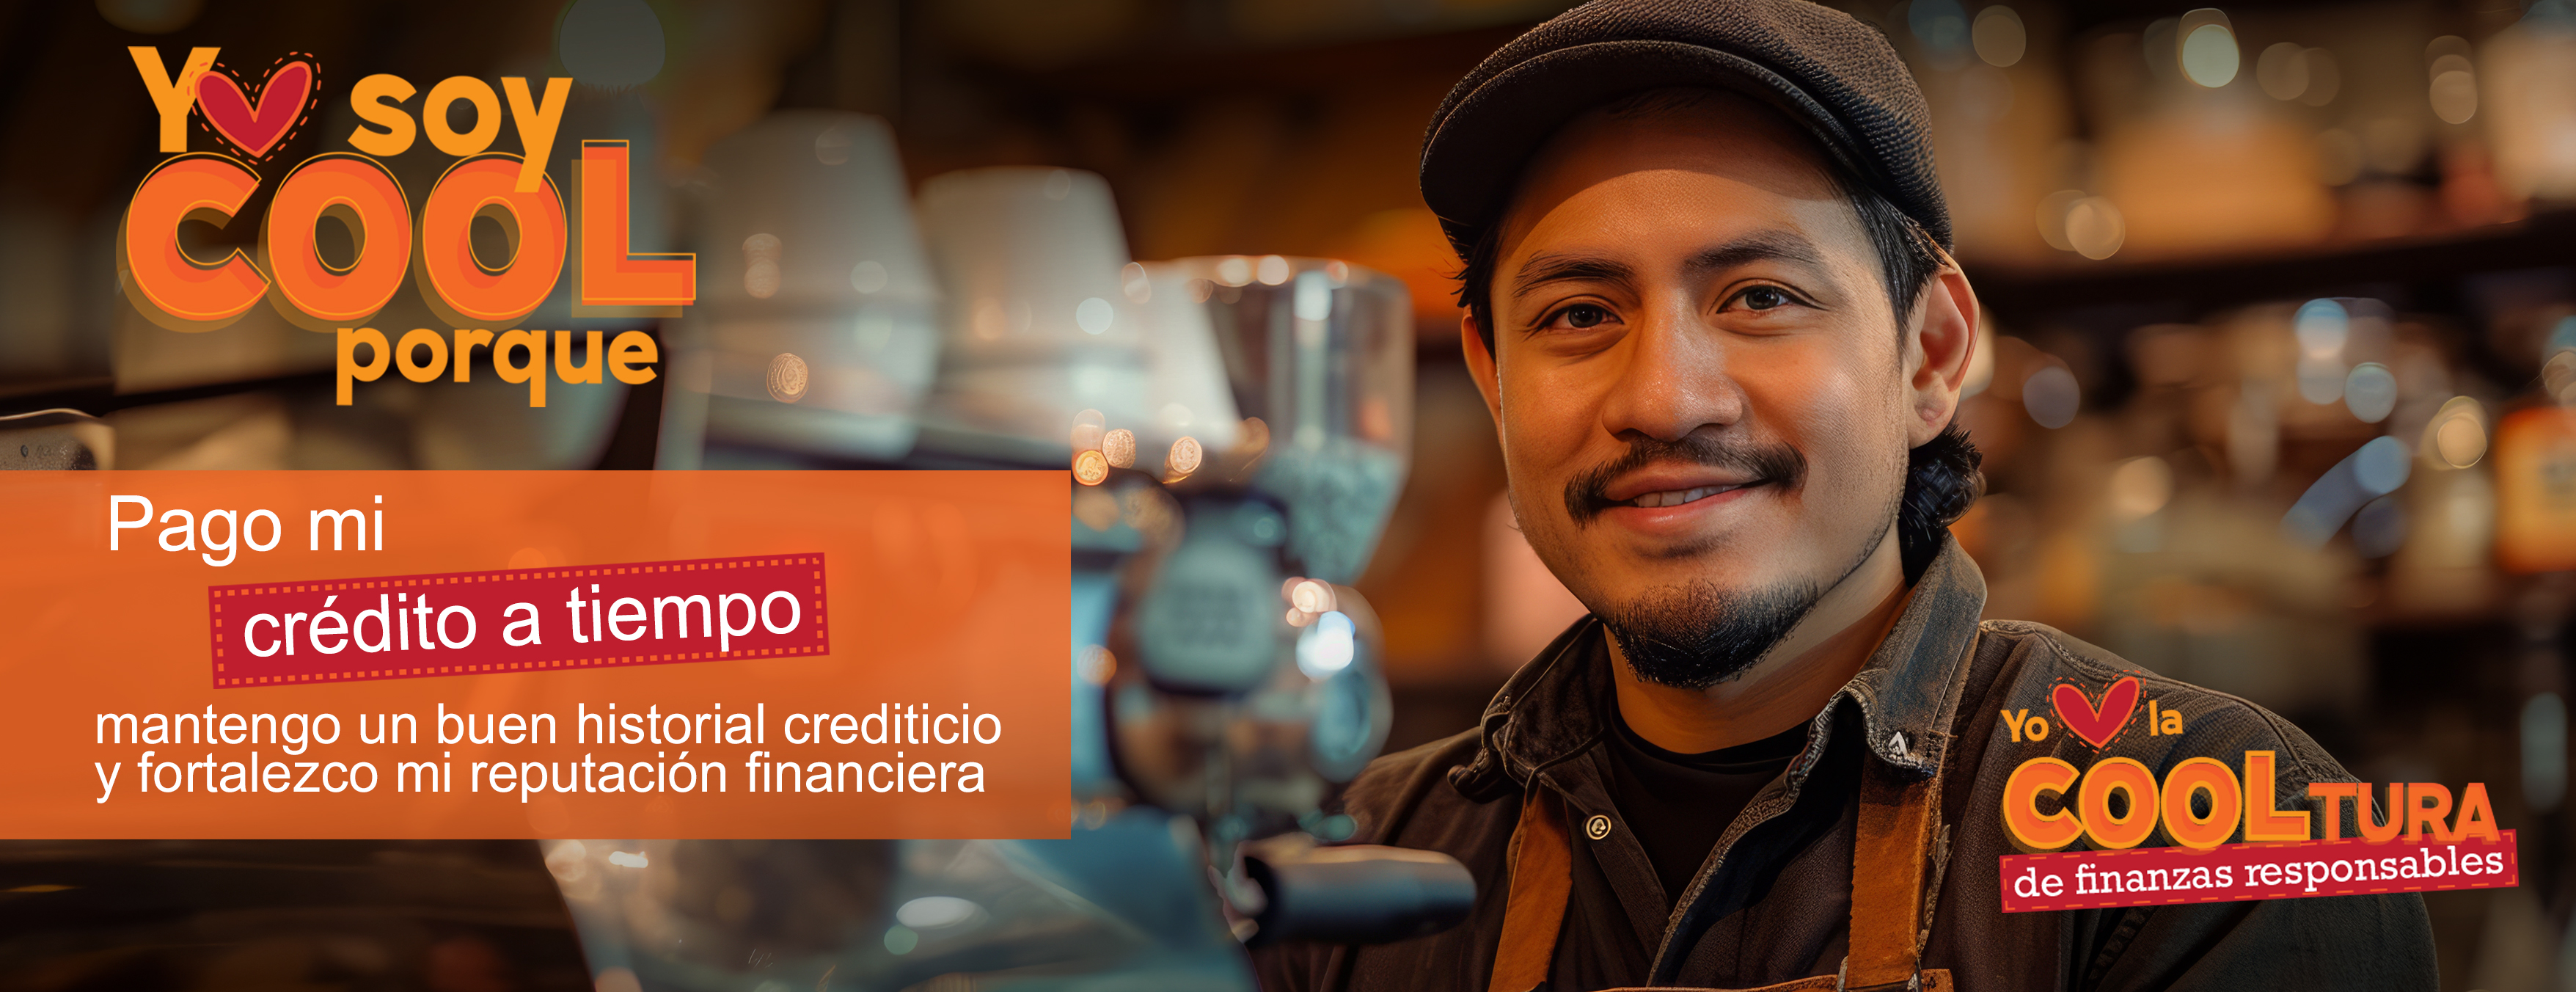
(1675, 379)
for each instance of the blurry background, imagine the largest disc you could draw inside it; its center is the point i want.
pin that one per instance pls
(2283, 303)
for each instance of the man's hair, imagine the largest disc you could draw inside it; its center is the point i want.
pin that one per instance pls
(1941, 475)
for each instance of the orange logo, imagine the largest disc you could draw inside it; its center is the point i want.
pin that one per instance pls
(430, 250)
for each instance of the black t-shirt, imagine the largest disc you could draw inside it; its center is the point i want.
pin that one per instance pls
(1680, 804)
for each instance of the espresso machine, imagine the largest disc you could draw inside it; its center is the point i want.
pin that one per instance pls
(1235, 431)
(1240, 673)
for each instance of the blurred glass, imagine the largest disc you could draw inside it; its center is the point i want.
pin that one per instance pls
(1260, 676)
(1192, 395)
(1038, 325)
(816, 328)
(1320, 354)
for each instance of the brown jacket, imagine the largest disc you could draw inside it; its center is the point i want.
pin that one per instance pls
(1772, 902)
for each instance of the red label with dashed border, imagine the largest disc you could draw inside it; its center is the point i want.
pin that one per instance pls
(530, 619)
(2157, 876)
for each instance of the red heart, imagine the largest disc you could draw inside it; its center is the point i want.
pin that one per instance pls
(256, 129)
(2096, 724)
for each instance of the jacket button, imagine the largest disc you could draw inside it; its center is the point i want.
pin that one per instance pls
(1596, 828)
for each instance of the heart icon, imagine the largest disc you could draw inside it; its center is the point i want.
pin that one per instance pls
(2097, 724)
(256, 128)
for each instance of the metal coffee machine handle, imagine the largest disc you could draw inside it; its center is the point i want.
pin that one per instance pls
(1356, 894)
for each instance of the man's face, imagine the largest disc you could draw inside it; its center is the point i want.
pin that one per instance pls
(1701, 389)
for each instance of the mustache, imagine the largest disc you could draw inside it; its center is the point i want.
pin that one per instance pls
(1585, 494)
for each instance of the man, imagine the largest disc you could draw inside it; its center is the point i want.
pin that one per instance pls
(1713, 315)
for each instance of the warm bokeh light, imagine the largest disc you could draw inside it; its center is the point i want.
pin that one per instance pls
(2190, 183)
(2558, 377)
(2209, 55)
(2140, 487)
(1999, 36)
(2457, 435)
(788, 378)
(2530, 96)
(2051, 396)
(1133, 281)
(1310, 596)
(1090, 467)
(1089, 426)
(2282, 71)
(1097, 665)
(2454, 89)
(2094, 228)
(760, 275)
(2052, 217)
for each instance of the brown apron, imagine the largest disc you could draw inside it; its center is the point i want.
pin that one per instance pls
(1889, 919)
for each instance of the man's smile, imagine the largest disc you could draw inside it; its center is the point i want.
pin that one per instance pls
(1673, 484)
(1660, 484)
(1677, 497)
(1677, 510)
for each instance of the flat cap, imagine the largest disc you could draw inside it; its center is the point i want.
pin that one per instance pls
(1818, 66)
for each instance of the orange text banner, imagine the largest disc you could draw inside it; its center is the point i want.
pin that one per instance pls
(535, 654)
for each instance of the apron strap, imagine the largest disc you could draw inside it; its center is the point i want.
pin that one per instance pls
(1889, 854)
(1542, 860)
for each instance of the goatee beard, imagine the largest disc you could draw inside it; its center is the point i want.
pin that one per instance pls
(1699, 635)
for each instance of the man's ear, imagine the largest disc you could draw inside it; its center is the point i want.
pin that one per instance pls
(1480, 366)
(1946, 338)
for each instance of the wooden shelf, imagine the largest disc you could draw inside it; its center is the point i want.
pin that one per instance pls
(2428, 267)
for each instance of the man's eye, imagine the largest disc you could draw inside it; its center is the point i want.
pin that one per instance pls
(1764, 298)
(1583, 315)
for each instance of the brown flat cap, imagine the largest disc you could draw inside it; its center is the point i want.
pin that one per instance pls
(1818, 66)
